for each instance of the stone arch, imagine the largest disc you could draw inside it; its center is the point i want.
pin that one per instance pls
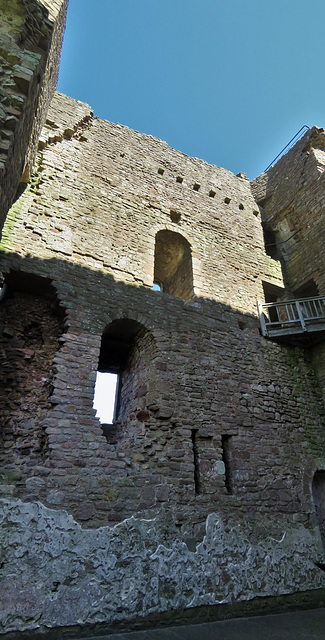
(173, 268)
(124, 312)
(318, 490)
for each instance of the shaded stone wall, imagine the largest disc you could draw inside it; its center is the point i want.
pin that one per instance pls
(214, 418)
(29, 340)
(31, 33)
(291, 195)
(292, 198)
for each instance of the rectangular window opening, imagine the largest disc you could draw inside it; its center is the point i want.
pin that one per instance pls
(226, 443)
(197, 483)
(106, 396)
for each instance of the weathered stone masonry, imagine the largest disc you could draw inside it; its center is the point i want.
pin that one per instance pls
(214, 420)
(209, 486)
(31, 33)
(292, 199)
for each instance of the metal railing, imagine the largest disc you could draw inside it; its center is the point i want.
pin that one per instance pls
(292, 316)
(290, 144)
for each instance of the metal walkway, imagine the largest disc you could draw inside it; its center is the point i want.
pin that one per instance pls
(292, 317)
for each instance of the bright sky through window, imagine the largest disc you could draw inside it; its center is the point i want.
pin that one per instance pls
(104, 396)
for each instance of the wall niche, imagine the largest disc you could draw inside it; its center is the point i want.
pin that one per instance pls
(31, 323)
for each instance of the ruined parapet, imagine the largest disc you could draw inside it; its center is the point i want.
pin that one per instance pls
(31, 33)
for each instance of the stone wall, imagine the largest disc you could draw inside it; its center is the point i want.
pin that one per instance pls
(31, 33)
(30, 330)
(292, 197)
(213, 419)
(84, 577)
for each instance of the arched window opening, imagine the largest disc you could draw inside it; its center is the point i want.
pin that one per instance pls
(157, 286)
(173, 264)
(318, 488)
(118, 370)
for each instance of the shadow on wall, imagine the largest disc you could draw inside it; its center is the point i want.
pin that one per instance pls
(318, 489)
(31, 324)
(180, 362)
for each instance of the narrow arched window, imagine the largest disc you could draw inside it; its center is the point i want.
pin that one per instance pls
(124, 351)
(173, 264)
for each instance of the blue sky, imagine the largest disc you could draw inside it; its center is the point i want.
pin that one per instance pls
(228, 81)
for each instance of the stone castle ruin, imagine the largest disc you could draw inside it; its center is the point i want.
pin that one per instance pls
(207, 491)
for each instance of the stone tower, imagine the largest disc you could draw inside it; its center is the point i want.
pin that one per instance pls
(206, 489)
(31, 33)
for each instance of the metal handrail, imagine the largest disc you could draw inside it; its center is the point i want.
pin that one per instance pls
(290, 144)
(301, 314)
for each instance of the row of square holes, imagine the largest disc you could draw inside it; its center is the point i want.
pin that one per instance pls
(196, 187)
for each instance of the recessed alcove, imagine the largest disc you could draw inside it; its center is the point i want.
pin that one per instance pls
(32, 322)
(318, 490)
(173, 264)
(175, 216)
